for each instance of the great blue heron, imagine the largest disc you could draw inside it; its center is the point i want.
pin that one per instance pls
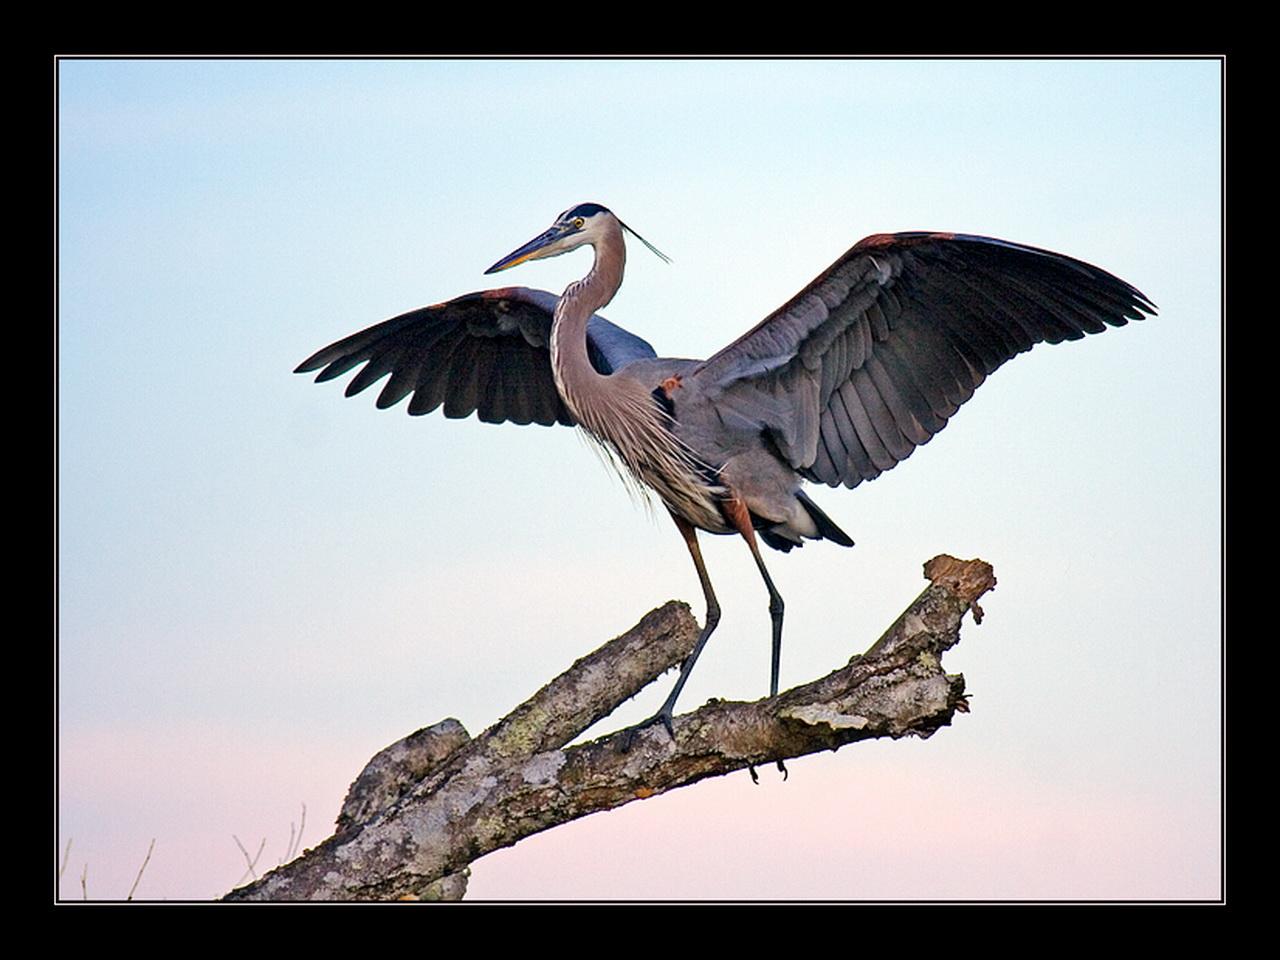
(838, 385)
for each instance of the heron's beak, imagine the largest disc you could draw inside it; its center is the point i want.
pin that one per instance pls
(533, 250)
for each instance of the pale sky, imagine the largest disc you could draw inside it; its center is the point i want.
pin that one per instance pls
(262, 583)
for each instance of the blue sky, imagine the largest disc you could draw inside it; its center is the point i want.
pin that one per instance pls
(261, 583)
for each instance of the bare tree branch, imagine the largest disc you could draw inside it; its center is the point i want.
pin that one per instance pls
(429, 805)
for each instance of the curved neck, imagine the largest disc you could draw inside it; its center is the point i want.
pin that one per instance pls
(569, 360)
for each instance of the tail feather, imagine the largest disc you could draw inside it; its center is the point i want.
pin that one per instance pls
(826, 526)
(777, 541)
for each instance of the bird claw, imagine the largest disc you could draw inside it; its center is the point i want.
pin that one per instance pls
(755, 777)
(629, 734)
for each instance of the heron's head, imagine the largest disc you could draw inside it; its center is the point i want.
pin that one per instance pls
(585, 223)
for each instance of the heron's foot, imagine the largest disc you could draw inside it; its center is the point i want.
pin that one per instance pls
(663, 716)
(755, 777)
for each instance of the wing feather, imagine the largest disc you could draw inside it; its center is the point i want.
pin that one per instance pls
(433, 376)
(484, 353)
(913, 385)
(874, 357)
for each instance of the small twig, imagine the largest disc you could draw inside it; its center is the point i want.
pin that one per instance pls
(251, 861)
(141, 869)
(286, 858)
(84, 885)
(66, 855)
(295, 839)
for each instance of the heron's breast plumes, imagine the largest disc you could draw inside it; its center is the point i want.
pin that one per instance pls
(618, 411)
(635, 433)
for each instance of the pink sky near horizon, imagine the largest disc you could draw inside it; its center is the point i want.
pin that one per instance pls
(893, 820)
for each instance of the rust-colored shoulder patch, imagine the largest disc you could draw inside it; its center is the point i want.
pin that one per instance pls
(878, 241)
(671, 385)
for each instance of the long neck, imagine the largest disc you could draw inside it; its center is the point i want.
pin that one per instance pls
(575, 377)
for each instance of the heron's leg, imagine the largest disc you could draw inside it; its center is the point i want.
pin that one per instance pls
(664, 714)
(740, 516)
(737, 512)
(713, 611)
(775, 614)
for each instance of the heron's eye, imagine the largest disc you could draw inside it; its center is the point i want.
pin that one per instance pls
(577, 223)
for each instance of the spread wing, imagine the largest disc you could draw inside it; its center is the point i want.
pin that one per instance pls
(484, 353)
(872, 358)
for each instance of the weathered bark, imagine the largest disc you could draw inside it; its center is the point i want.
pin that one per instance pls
(427, 806)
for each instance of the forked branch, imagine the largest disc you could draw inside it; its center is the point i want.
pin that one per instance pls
(427, 806)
